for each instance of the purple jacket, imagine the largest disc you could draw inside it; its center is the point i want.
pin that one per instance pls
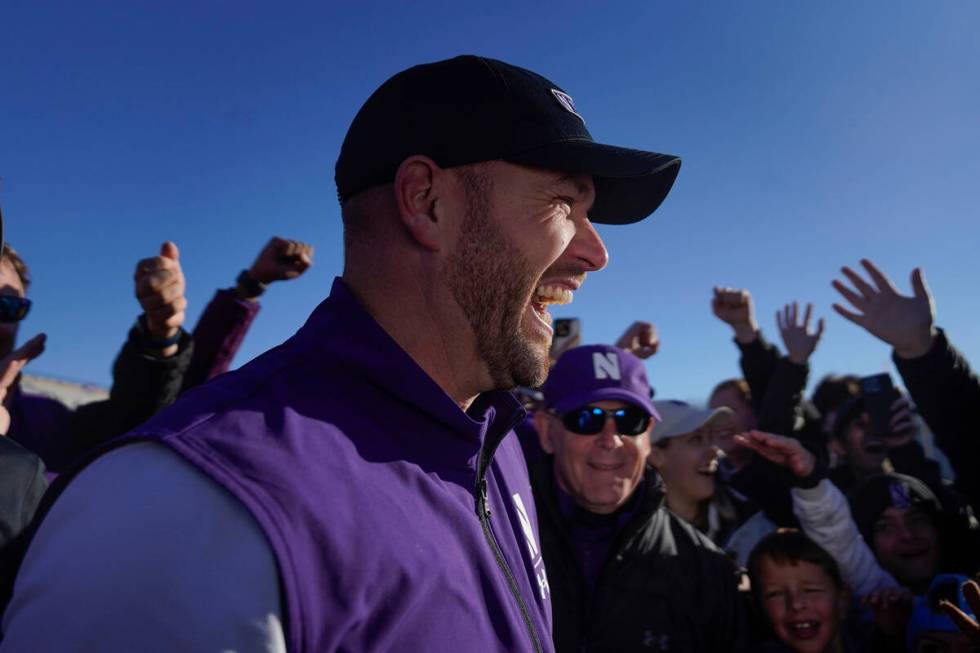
(366, 478)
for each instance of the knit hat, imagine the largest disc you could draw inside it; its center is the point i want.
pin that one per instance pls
(869, 499)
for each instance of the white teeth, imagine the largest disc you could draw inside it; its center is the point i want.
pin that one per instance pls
(552, 294)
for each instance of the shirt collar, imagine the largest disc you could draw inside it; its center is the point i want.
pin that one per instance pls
(342, 330)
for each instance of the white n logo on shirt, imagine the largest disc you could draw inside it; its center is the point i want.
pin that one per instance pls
(606, 366)
(532, 544)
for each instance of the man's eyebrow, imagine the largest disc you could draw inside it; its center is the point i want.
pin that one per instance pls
(574, 180)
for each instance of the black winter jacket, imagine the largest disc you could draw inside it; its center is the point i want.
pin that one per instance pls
(665, 586)
(947, 394)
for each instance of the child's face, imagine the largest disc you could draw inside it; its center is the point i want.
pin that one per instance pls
(803, 604)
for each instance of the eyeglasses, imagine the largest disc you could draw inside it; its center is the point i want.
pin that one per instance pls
(589, 420)
(13, 308)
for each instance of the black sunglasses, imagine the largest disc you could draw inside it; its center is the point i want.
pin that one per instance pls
(589, 420)
(13, 308)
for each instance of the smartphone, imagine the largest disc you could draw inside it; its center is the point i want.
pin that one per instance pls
(879, 394)
(566, 329)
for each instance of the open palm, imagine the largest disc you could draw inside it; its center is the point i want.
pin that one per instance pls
(905, 323)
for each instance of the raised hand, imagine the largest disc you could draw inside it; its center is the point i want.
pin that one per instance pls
(280, 260)
(160, 290)
(734, 307)
(967, 624)
(797, 338)
(892, 608)
(905, 323)
(10, 367)
(781, 450)
(640, 339)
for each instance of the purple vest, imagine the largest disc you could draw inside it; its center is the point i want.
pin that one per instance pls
(363, 474)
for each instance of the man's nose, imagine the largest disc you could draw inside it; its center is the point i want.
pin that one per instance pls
(904, 532)
(587, 247)
(608, 438)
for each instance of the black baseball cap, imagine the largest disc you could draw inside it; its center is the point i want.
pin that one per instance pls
(471, 109)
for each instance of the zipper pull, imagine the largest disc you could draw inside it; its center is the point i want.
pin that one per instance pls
(484, 502)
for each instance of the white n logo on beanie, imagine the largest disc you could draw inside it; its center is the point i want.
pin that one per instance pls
(606, 366)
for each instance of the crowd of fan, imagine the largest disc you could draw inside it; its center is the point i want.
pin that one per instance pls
(359, 487)
(844, 535)
(158, 361)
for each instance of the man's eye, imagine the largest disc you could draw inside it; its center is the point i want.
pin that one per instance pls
(565, 203)
(813, 590)
(769, 596)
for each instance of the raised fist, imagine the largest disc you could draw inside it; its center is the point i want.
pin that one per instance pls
(160, 291)
(281, 260)
(10, 367)
(733, 306)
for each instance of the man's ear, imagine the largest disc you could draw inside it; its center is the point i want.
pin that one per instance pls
(416, 193)
(541, 426)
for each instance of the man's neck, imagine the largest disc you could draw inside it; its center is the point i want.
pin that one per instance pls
(427, 328)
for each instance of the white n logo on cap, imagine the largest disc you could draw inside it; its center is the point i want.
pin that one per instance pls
(606, 366)
(566, 101)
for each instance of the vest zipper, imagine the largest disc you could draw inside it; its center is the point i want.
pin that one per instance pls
(483, 512)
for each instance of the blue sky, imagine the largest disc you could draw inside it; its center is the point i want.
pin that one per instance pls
(812, 134)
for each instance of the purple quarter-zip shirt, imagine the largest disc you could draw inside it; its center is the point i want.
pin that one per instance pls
(363, 475)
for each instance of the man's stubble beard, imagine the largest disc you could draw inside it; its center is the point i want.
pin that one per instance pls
(491, 280)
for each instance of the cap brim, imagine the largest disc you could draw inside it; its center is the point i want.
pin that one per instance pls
(630, 184)
(593, 395)
(688, 424)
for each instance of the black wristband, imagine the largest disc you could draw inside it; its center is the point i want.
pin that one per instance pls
(150, 341)
(248, 286)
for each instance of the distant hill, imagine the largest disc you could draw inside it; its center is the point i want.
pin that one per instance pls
(70, 393)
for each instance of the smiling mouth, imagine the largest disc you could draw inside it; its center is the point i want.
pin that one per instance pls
(710, 469)
(605, 467)
(547, 294)
(917, 553)
(804, 629)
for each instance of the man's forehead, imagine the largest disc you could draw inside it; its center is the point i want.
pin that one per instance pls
(897, 513)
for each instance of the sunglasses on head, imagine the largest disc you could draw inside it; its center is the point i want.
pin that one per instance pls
(589, 420)
(13, 308)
